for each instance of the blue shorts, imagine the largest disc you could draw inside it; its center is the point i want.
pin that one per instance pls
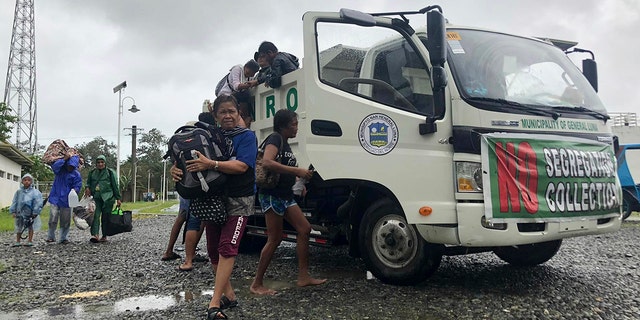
(193, 223)
(184, 207)
(279, 206)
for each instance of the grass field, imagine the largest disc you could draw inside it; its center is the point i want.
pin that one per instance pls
(140, 207)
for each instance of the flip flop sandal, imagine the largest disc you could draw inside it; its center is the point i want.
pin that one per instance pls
(17, 244)
(200, 258)
(225, 303)
(179, 268)
(29, 244)
(173, 256)
(94, 240)
(214, 313)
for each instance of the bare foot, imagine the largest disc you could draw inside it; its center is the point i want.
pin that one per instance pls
(310, 282)
(261, 290)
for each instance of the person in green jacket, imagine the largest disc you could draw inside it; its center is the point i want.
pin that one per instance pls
(102, 184)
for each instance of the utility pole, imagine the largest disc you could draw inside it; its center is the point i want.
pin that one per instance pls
(134, 159)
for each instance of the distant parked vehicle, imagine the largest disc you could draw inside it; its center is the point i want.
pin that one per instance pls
(630, 189)
(149, 196)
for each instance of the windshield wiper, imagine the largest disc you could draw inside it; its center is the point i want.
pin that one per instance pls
(519, 106)
(595, 114)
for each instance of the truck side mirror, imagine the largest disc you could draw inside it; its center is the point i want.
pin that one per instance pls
(436, 38)
(437, 46)
(590, 71)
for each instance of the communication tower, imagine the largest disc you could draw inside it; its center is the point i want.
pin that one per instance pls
(20, 85)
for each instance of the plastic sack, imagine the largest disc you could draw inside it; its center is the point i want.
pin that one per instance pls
(79, 222)
(83, 212)
(57, 150)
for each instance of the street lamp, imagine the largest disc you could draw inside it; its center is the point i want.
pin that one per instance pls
(134, 159)
(134, 109)
(118, 89)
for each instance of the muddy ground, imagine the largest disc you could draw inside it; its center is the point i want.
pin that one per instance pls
(593, 277)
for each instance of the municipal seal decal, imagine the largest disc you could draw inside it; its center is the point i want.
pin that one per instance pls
(378, 134)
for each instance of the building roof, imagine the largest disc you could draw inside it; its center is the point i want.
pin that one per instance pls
(10, 151)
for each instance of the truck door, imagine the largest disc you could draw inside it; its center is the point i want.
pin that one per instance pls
(366, 91)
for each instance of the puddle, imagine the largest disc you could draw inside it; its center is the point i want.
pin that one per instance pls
(90, 311)
(63, 311)
(278, 285)
(144, 303)
(188, 296)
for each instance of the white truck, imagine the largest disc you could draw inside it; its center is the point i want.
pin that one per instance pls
(442, 140)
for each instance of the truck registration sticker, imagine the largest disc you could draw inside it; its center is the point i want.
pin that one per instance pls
(378, 134)
(548, 178)
(452, 35)
(454, 38)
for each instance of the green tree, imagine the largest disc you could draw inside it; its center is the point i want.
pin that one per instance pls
(6, 122)
(98, 146)
(153, 145)
(92, 149)
(40, 170)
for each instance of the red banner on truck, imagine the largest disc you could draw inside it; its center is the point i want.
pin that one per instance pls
(548, 178)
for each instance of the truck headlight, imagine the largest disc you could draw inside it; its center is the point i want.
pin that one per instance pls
(468, 176)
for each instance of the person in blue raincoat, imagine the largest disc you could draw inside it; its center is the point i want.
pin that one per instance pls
(26, 205)
(67, 177)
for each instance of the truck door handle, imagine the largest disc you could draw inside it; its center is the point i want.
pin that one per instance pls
(325, 128)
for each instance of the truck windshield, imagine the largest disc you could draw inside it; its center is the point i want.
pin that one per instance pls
(502, 67)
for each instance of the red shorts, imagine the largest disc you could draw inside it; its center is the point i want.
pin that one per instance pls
(224, 240)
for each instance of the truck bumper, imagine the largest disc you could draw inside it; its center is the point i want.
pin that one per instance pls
(470, 232)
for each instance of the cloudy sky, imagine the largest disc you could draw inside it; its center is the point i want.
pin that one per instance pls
(172, 53)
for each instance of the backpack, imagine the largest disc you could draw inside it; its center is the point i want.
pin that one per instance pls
(221, 84)
(211, 143)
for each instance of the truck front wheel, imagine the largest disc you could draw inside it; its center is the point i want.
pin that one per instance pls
(527, 255)
(392, 249)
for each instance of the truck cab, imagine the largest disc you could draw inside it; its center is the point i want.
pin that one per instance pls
(442, 140)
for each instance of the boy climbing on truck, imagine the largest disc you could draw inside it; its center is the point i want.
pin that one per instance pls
(280, 64)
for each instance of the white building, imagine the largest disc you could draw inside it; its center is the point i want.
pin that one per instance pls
(11, 162)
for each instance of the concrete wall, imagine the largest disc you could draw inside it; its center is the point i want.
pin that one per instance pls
(627, 135)
(9, 180)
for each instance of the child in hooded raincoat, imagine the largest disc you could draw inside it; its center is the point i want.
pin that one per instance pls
(25, 208)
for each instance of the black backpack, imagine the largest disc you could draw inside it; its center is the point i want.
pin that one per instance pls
(210, 142)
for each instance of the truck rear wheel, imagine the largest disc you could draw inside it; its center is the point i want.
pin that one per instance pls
(626, 208)
(251, 244)
(392, 249)
(527, 255)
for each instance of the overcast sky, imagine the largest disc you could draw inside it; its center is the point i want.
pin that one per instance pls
(172, 53)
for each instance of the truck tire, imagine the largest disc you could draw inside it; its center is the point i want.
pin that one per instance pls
(626, 208)
(392, 249)
(251, 244)
(527, 255)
